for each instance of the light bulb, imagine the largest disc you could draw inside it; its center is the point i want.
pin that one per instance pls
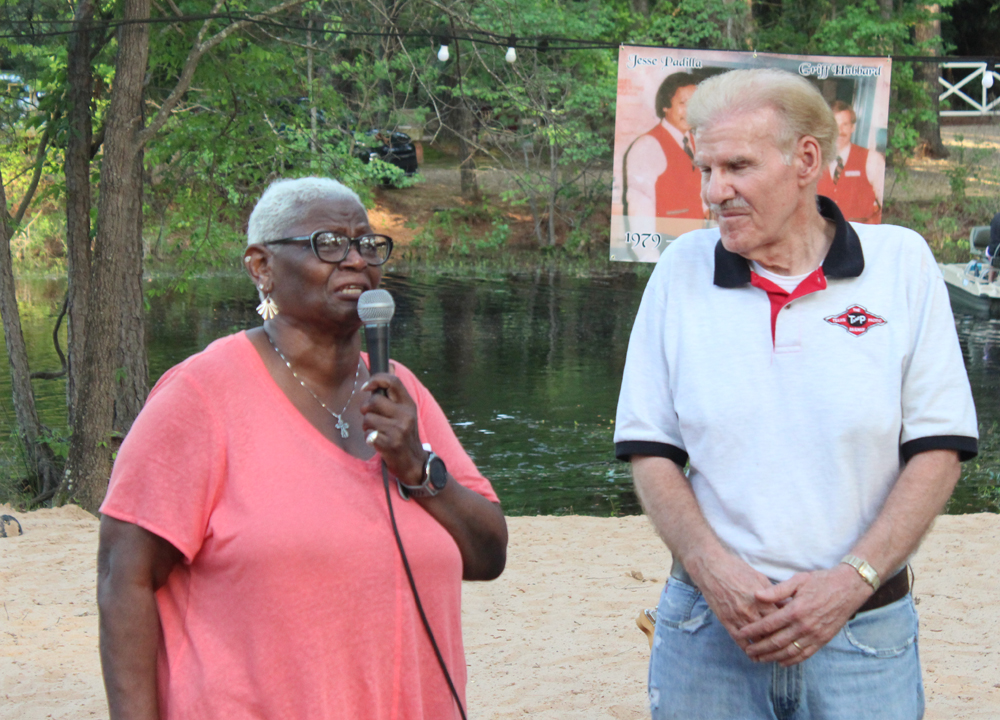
(987, 78)
(443, 54)
(511, 55)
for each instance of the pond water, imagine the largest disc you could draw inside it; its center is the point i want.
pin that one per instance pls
(527, 369)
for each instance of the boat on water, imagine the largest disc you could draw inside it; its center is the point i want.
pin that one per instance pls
(974, 287)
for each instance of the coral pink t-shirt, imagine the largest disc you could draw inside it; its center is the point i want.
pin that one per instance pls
(292, 600)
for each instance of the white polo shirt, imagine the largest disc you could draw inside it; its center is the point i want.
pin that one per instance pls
(795, 439)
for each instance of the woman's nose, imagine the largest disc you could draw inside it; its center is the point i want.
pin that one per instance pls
(354, 257)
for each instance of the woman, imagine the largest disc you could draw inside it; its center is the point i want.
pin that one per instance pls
(247, 564)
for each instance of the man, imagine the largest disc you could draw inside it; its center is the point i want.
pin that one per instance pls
(993, 249)
(811, 373)
(660, 178)
(849, 177)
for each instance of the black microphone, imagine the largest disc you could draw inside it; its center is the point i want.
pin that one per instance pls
(376, 308)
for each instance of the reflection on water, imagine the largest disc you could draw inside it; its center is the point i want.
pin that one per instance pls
(527, 369)
(979, 488)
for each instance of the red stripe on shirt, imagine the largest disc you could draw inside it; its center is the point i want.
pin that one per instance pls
(780, 297)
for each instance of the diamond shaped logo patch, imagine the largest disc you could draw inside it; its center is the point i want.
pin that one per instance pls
(856, 320)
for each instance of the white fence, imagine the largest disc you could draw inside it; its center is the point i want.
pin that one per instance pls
(977, 80)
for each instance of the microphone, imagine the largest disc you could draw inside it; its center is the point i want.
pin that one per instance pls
(376, 308)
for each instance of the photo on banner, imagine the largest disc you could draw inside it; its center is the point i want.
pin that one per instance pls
(656, 190)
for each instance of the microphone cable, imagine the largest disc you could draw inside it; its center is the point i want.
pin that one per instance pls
(416, 595)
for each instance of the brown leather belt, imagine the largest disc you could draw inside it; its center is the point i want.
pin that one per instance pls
(893, 589)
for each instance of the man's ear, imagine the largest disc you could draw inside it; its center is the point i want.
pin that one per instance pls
(257, 263)
(808, 160)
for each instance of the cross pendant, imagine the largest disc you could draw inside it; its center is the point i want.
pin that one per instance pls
(343, 427)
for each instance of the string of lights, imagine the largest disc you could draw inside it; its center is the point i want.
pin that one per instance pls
(441, 37)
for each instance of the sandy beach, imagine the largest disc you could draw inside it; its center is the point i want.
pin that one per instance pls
(555, 637)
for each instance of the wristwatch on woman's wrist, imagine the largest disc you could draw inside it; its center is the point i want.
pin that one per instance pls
(434, 479)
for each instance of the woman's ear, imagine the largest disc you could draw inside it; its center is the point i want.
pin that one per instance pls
(257, 263)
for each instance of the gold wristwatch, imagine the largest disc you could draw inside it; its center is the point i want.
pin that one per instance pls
(866, 571)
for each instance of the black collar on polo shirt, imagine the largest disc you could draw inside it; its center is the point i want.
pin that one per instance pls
(844, 259)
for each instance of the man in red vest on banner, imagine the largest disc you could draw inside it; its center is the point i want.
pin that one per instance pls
(660, 178)
(849, 178)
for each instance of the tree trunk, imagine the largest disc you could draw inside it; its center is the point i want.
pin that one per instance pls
(313, 116)
(78, 196)
(467, 170)
(532, 196)
(113, 379)
(929, 32)
(553, 189)
(466, 127)
(38, 457)
(132, 369)
(739, 23)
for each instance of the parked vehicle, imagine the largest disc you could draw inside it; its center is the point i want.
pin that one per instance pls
(394, 147)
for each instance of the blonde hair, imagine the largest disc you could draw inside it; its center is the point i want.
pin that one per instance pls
(286, 201)
(798, 103)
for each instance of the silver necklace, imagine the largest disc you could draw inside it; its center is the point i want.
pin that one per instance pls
(342, 424)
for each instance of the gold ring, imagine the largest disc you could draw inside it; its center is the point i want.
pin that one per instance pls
(796, 644)
(371, 437)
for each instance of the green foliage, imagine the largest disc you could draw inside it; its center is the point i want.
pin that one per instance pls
(513, 261)
(693, 23)
(958, 179)
(546, 119)
(857, 27)
(965, 167)
(38, 242)
(460, 230)
(236, 131)
(58, 442)
(860, 29)
(946, 221)
(945, 224)
(38, 239)
(277, 102)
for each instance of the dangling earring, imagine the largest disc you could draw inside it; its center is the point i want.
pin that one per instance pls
(267, 308)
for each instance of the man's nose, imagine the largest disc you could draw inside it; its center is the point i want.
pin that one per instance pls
(715, 187)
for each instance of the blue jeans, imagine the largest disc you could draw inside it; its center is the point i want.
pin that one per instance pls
(870, 670)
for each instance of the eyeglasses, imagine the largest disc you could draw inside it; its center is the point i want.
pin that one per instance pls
(332, 247)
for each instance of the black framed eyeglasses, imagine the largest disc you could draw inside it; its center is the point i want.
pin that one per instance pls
(333, 247)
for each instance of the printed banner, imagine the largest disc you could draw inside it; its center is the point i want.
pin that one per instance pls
(656, 192)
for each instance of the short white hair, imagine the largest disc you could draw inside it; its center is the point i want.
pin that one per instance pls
(798, 103)
(286, 201)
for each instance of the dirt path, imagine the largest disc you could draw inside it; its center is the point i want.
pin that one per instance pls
(976, 147)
